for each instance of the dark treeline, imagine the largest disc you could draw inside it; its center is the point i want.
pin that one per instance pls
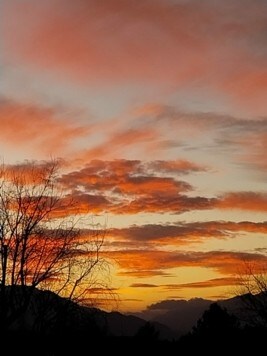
(215, 332)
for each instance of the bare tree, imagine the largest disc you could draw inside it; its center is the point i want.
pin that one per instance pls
(41, 245)
(252, 290)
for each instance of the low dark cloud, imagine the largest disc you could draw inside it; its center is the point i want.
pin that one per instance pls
(215, 282)
(172, 304)
(143, 285)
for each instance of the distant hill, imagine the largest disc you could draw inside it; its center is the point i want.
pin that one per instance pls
(118, 324)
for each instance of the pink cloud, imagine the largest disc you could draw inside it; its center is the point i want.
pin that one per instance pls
(38, 129)
(103, 40)
(254, 145)
(218, 45)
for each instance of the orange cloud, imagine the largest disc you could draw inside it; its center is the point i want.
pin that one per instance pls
(215, 282)
(30, 171)
(251, 201)
(121, 187)
(185, 233)
(77, 203)
(177, 166)
(145, 263)
(133, 186)
(157, 201)
(132, 176)
(143, 273)
(164, 203)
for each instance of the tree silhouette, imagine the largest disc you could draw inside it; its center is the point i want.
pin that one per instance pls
(216, 321)
(147, 333)
(41, 245)
(216, 329)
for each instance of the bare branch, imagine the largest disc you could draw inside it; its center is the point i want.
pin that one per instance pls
(38, 247)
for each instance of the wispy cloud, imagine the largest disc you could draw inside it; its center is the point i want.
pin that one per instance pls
(143, 285)
(242, 141)
(215, 282)
(34, 128)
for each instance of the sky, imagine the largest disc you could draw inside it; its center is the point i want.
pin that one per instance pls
(158, 110)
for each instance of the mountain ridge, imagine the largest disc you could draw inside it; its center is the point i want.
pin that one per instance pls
(46, 311)
(170, 319)
(182, 315)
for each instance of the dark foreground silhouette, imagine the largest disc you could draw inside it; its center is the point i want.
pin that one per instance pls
(61, 327)
(69, 342)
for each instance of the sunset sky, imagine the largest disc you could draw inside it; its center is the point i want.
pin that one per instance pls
(159, 110)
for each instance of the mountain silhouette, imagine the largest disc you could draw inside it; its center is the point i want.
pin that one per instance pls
(47, 312)
(182, 315)
(179, 315)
